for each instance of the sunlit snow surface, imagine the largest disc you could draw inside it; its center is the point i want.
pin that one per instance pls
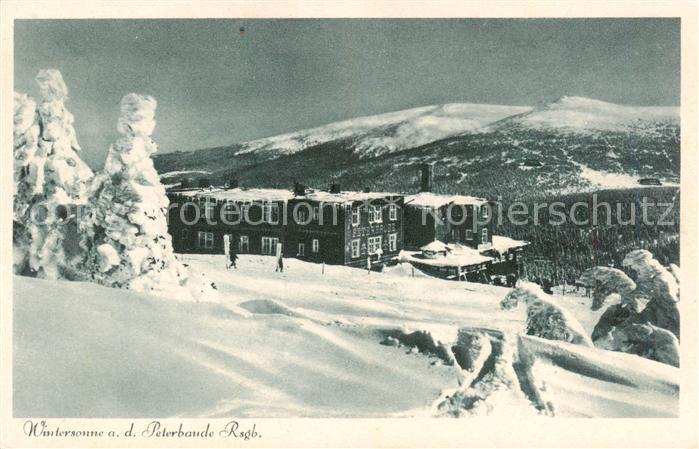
(304, 343)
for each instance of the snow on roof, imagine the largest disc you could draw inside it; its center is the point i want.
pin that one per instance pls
(501, 243)
(347, 196)
(433, 200)
(460, 259)
(249, 195)
(435, 246)
(239, 194)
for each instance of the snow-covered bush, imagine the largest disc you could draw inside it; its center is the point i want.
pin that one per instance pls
(546, 318)
(50, 182)
(606, 281)
(651, 331)
(125, 229)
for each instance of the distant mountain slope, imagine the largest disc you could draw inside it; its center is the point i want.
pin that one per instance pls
(581, 144)
(578, 114)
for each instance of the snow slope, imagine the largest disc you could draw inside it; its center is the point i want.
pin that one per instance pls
(390, 132)
(586, 114)
(302, 343)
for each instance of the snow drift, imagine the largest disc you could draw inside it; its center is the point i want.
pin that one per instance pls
(305, 344)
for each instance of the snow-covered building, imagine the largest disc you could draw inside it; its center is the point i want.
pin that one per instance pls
(199, 218)
(335, 227)
(465, 225)
(447, 218)
(345, 228)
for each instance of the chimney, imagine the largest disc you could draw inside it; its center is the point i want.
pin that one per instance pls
(335, 188)
(426, 171)
(299, 189)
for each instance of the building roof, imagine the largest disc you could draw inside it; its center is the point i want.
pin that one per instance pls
(434, 200)
(501, 243)
(249, 195)
(461, 259)
(346, 196)
(237, 194)
(435, 246)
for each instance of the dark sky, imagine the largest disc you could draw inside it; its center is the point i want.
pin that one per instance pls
(216, 86)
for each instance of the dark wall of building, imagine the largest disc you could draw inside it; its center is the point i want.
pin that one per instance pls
(419, 230)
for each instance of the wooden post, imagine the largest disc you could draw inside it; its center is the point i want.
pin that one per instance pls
(323, 269)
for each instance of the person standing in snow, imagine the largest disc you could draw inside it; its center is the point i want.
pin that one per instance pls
(280, 263)
(232, 256)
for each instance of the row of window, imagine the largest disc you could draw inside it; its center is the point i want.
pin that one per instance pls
(315, 247)
(270, 212)
(375, 214)
(455, 235)
(269, 244)
(374, 245)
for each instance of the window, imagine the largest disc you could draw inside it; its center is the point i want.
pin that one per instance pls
(315, 213)
(374, 244)
(512, 256)
(302, 249)
(503, 257)
(392, 242)
(205, 239)
(231, 213)
(455, 235)
(355, 248)
(469, 234)
(355, 217)
(209, 206)
(484, 234)
(243, 244)
(184, 235)
(393, 212)
(301, 212)
(485, 210)
(269, 245)
(270, 213)
(315, 245)
(375, 214)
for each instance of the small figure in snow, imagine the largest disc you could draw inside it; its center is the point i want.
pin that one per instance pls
(280, 264)
(232, 255)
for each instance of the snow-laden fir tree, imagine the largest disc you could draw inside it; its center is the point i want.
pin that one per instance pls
(51, 182)
(25, 147)
(125, 232)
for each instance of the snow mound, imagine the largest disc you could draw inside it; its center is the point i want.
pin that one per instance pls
(267, 307)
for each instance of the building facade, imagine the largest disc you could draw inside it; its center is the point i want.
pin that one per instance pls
(343, 228)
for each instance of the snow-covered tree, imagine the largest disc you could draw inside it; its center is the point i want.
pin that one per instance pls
(125, 231)
(26, 145)
(545, 317)
(51, 181)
